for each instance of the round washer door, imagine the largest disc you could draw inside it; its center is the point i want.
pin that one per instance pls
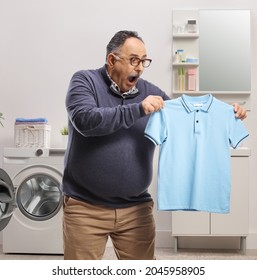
(38, 194)
(7, 199)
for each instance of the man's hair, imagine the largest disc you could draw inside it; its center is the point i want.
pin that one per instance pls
(119, 39)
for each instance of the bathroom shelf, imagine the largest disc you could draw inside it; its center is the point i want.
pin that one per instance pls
(186, 35)
(186, 64)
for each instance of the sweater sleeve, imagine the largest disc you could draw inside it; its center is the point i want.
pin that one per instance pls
(91, 120)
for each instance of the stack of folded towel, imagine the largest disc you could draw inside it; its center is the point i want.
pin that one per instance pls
(32, 132)
(28, 121)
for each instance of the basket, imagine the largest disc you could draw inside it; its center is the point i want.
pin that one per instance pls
(29, 135)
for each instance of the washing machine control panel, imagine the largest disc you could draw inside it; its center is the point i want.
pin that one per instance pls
(25, 152)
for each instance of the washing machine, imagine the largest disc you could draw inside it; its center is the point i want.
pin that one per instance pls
(31, 200)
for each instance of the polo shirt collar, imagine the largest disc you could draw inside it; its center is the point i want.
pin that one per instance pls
(193, 103)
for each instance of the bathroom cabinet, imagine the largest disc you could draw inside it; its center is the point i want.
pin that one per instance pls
(235, 223)
(212, 51)
(212, 35)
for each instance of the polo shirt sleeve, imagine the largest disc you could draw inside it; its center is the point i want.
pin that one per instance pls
(237, 130)
(156, 129)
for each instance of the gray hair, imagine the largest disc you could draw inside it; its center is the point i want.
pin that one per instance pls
(119, 39)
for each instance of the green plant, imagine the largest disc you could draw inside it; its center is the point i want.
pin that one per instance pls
(1, 118)
(64, 130)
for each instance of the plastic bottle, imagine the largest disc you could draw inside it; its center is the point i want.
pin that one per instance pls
(191, 79)
(183, 79)
(176, 57)
(191, 26)
(182, 55)
(179, 80)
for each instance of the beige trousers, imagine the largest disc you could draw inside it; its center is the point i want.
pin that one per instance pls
(86, 229)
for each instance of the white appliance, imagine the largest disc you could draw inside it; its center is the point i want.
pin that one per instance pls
(31, 200)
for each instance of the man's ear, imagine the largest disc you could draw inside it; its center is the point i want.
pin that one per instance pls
(111, 60)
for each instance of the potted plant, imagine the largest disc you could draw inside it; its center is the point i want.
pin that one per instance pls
(64, 130)
(64, 133)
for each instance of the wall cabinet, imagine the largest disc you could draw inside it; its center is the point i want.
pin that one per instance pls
(212, 224)
(218, 44)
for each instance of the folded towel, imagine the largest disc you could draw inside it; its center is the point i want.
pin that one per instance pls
(35, 120)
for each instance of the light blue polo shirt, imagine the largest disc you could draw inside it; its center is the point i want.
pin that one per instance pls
(195, 135)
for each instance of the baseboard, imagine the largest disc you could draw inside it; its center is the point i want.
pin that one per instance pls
(207, 242)
(217, 242)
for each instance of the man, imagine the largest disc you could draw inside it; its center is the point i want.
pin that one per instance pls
(108, 163)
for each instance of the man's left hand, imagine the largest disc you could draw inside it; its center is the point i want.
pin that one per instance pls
(240, 111)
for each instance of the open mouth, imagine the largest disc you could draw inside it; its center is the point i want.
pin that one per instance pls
(133, 78)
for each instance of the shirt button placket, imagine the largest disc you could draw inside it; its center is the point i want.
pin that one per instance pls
(197, 115)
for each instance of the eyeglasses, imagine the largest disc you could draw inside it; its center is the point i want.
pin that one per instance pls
(135, 61)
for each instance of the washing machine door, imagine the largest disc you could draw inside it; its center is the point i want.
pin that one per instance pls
(38, 194)
(7, 199)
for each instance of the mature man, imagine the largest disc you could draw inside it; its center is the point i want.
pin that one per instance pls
(108, 163)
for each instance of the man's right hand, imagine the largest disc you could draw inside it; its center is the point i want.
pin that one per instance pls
(152, 103)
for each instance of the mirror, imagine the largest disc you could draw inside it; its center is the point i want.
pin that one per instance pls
(224, 50)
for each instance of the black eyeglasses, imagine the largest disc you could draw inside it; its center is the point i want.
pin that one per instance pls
(135, 61)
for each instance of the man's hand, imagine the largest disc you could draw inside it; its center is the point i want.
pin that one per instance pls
(152, 103)
(240, 111)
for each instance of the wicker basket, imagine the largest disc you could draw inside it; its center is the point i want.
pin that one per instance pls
(29, 135)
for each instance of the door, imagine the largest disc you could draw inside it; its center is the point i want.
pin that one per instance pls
(38, 194)
(7, 199)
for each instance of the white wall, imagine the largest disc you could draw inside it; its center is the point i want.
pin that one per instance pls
(44, 42)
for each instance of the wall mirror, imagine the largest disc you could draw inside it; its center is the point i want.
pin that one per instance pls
(224, 50)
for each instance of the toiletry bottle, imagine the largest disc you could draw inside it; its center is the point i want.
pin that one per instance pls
(191, 26)
(183, 79)
(191, 79)
(179, 79)
(180, 54)
(176, 57)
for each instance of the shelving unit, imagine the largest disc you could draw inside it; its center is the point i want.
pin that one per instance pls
(189, 43)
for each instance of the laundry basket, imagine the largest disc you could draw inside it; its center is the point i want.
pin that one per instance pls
(29, 135)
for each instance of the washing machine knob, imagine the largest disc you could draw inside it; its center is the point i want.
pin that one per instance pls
(39, 152)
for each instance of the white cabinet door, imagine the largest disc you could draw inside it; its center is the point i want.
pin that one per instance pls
(190, 223)
(236, 222)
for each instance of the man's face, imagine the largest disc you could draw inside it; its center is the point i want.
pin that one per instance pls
(121, 71)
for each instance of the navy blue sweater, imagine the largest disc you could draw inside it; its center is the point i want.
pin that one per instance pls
(108, 160)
